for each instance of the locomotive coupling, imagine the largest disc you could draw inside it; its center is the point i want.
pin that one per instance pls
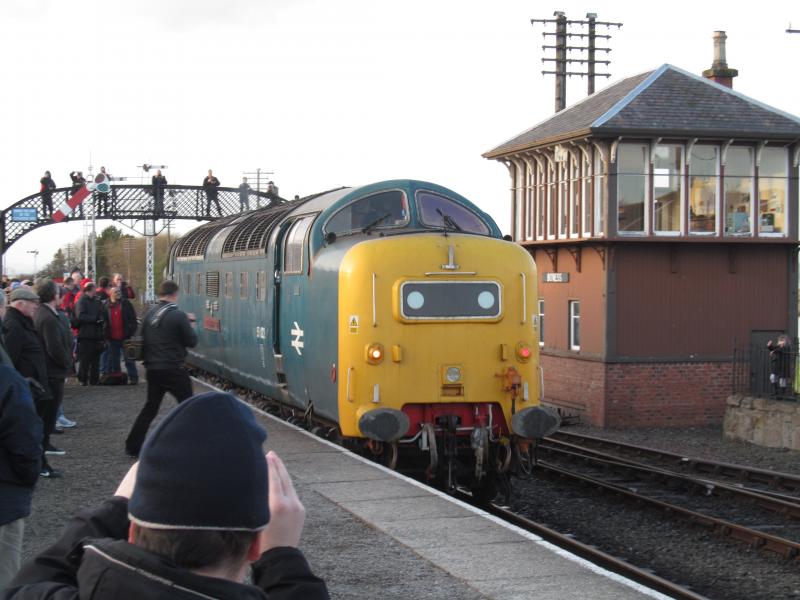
(535, 422)
(384, 424)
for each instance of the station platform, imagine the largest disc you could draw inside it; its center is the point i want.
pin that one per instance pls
(370, 532)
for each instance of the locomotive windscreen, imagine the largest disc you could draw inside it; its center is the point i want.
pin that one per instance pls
(441, 300)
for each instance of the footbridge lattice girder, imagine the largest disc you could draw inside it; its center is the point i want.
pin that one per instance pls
(133, 203)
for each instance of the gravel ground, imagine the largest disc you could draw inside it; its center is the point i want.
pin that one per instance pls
(692, 556)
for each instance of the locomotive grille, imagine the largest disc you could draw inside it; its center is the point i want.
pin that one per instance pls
(251, 235)
(443, 300)
(193, 245)
(212, 284)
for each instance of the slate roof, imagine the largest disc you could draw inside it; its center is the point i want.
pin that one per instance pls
(666, 102)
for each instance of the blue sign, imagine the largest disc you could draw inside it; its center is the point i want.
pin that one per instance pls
(24, 215)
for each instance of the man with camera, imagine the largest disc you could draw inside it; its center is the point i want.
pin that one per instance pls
(167, 332)
(89, 319)
(189, 520)
(126, 288)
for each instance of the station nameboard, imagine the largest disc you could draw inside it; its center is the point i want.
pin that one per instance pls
(556, 278)
(24, 215)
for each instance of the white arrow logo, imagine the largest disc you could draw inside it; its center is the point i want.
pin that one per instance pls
(297, 342)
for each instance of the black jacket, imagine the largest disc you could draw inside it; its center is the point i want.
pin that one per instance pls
(90, 317)
(93, 560)
(20, 446)
(166, 338)
(55, 337)
(23, 346)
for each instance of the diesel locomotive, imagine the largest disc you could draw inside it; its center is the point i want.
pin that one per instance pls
(394, 314)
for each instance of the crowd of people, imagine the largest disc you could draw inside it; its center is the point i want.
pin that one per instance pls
(178, 525)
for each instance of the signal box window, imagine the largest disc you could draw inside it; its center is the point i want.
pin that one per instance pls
(440, 212)
(541, 323)
(295, 242)
(574, 325)
(378, 211)
(243, 281)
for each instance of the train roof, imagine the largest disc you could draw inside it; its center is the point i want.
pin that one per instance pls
(248, 233)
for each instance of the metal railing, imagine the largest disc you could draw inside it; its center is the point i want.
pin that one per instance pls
(133, 202)
(767, 373)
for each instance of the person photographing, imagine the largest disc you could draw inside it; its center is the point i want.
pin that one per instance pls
(202, 507)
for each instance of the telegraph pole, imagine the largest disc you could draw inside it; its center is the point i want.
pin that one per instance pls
(258, 173)
(562, 50)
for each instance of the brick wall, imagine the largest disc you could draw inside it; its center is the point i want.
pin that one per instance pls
(666, 394)
(638, 394)
(575, 386)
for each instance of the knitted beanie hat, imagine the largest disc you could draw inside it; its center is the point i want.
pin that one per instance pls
(203, 467)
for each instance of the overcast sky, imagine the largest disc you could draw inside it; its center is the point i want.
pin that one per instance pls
(324, 93)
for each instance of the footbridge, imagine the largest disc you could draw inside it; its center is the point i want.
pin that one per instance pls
(129, 204)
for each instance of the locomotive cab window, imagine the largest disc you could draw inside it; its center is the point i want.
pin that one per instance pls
(295, 242)
(440, 212)
(383, 210)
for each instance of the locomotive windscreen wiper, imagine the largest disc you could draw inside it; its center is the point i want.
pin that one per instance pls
(375, 223)
(448, 221)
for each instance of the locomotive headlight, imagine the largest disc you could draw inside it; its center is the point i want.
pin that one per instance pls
(524, 352)
(452, 375)
(374, 354)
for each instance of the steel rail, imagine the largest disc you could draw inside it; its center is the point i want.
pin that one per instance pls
(774, 479)
(585, 551)
(788, 506)
(758, 539)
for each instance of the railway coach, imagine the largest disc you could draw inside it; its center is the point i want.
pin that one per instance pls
(394, 314)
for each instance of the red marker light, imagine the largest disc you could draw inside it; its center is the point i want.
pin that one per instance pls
(524, 352)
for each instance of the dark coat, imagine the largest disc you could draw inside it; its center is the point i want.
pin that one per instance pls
(20, 446)
(55, 337)
(166, 340)
(90, 318)
(129, 322)
(93, 560)
(23, 346)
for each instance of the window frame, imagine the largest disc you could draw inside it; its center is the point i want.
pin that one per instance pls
(681, 189)
(309, 218)
(718, 200)
(406, 202)
(646, 201)
(520, 202)
(753, 212)
(786, 195)
(572, 319)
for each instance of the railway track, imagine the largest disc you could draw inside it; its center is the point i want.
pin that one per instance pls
(774, 482)
(594, 555)
(765, 520)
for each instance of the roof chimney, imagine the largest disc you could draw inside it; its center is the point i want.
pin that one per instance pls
(719, 71)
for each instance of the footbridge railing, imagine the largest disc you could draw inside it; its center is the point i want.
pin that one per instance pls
(128, 203)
